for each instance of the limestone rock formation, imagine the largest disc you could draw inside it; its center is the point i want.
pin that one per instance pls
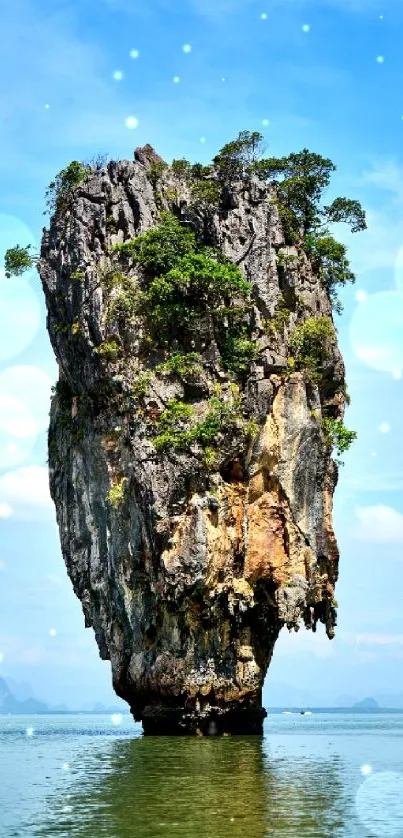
(188, 558)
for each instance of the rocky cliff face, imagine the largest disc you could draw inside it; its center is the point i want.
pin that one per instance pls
(188, 559)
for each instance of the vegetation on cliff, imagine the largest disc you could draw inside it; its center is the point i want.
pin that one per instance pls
(172, 287)
(201, 394)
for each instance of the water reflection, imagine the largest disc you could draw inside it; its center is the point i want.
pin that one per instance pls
(191, 788)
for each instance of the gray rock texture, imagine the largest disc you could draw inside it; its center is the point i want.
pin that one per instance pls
(186, 572)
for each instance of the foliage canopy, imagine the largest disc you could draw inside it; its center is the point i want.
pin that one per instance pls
(338, 436)
(18, 259)
(309, 343)
(158, 250)
(301, 179)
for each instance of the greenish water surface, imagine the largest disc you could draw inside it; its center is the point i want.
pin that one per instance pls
(318, 776)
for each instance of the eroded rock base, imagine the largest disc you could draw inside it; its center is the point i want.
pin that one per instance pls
(233, 720)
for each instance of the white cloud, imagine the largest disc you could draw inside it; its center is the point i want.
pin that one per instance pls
(15, 417)
(376, 331)
(30, 385)
(377, 639)
(378, 246)
(78, 650)
(5, 510)
(365, 481)
(380, 524)
(386, 175)
(20, 651)
(26, 492)
(303, 641)
(19, 306)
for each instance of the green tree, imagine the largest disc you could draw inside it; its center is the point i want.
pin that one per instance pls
(344, 209)
(301, 179)
(158, 250)
(198, 171)
(181, 168)
(309, 343)
(329, 259)
(60, 189)
(156, 171)
(337, 436)
(234, 159)
(196, 285)
(304, 177)
(206, 191)
(237, 351)
(18, 259)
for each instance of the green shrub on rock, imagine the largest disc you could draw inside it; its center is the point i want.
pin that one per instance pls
(196, 286)
(208, 191)
(158, 250)
(116, 494)
(141, 384)
(309, 344)
(237, 353)
(61, 188)
(186, 367)
(181, 168)
(337, 436)
(108, 349)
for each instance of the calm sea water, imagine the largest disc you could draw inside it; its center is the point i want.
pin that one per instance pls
(319, 776)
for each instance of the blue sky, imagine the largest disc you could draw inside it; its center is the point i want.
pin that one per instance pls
(326, 75)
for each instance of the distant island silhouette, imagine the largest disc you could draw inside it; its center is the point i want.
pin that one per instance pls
(9, 704)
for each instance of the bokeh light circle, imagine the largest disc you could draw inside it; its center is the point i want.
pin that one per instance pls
(15, 417)
(19, 316)
(376, 331)
(19, 305)
(17, 431)
(379, 804)
(32, 385)
(24, 412)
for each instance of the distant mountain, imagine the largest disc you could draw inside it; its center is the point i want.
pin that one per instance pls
(24, 703)
(10, 704)
(366, 704)
(280, 694)
(98, 707)
(22, 692)
(345, 700)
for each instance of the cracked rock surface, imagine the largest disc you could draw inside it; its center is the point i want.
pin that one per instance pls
(189, 574)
